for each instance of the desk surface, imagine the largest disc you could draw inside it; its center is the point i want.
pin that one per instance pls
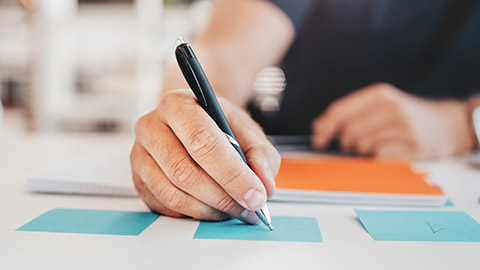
(168, 243)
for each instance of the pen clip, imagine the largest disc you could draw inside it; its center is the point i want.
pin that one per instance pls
(189, 75)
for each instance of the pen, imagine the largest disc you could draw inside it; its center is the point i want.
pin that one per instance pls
(197, 80)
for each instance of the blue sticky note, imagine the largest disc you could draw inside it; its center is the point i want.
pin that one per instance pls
(449, 203)
(91, 222)
(292, 229)
(447, 226)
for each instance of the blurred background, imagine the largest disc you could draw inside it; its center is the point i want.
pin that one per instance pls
(96, 65)
(88, 65)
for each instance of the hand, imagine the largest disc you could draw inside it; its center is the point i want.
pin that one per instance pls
(183, 164)
(383, 121)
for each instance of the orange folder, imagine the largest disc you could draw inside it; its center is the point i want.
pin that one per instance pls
(354, 180)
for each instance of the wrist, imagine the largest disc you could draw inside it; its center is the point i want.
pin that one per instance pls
(457, 124)
(473, 104)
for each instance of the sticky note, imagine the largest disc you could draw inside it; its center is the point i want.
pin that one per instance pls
(449, 203)
(91, 222)
(448, 226)
(292, 229)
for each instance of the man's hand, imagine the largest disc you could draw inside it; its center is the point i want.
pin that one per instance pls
(382, 121)
(183, 164)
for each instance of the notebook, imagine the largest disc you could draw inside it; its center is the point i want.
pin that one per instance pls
(300, 179)
(354, 181)
(92, 174)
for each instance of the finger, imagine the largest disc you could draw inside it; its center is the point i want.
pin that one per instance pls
(371, 143)
(393, 150)
(209, 147)
(165, 192)
(369, 124)
(184, 173)
(150, 200)
(346, 108)
(320, 136)
(261, 155)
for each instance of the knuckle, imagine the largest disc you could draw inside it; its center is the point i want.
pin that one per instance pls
(173, 100)
(158, 144)
(168, 99)
(142, 124)
(172, 198)
(182, 172)
(383, 85)
(261, 149)
(333, 108)
(385, 91)
(226, 204)
(233, 177)
(202, 142)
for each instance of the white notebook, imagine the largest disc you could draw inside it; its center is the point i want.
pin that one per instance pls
(94, 174)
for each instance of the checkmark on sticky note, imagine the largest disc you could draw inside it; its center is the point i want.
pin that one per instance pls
(91, 222)
(292, 229)
(447, 226)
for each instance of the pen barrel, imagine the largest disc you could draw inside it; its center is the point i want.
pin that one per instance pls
(198, 82)
(202, 89)
(215, 112)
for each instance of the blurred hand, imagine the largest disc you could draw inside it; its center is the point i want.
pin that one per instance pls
(383, 121)
(183, 164)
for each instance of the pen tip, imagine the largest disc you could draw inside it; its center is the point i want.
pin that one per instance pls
(270, 227)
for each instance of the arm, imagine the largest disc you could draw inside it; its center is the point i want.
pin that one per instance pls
(242, 38)
(182, 164)
(383, 121)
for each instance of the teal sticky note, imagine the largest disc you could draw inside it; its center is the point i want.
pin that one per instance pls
(291, 229)
(446, 226)
(91, 222)
(449, 203)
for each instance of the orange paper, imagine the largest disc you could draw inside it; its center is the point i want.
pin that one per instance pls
(360, 175)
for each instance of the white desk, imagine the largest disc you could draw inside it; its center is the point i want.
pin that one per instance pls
(168, 243)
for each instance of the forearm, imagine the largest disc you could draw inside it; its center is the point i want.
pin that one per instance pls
(242, 38)
(226, 79)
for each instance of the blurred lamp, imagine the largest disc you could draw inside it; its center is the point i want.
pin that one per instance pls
(268, 89)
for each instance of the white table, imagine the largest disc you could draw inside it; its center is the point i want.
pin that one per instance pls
(168, 243)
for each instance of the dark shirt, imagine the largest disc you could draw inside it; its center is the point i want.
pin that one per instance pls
(430, 48)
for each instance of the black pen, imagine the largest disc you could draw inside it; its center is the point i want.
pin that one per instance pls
(197, 80)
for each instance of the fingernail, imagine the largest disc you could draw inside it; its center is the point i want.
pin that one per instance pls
(250, 217)
(254, 199)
